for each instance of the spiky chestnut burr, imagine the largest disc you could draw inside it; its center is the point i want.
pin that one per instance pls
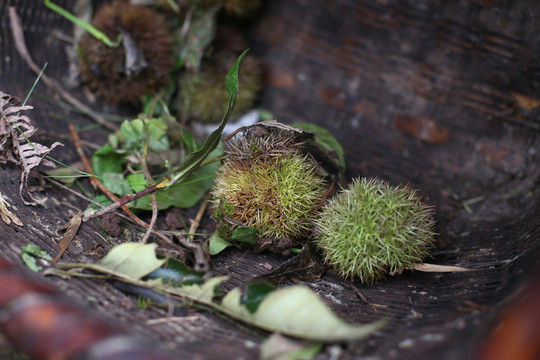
(267, 183)
(202, 95)
(140, 65)
(373, 229)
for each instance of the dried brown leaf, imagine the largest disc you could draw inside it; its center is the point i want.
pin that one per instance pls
(422, 128)
(15, 145)
(7, 216)
(438, 268)
(71, 228)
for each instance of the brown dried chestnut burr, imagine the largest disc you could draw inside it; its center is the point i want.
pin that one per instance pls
(142, 62)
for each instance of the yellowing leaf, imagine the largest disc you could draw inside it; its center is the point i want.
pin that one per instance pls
(130, 260)
(297, 311)
(201, 293)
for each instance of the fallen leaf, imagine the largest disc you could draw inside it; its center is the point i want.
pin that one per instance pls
(278, 347)
(525, 102)
(288, 311)
(291, 310)
(7, 216)
(29, 254)
(438, 268)
(71, 227)
(422, 128)
(15, 144)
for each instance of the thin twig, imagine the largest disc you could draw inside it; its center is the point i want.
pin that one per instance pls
(237, 261)
(196, 222)
(95, 180)
(20, 44)
(148, 177)
(78, 194)
(326, 195)
(197, 250)
(168, 319)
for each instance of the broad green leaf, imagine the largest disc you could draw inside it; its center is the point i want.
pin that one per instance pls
(203, 293)
(174, 273)
(185, 194)
(116, 183)
(137, 182)
(68, 174)
(245, 234)
(279, 347)
(107, 160)
(217, 244)
(130, 260)
(132, 130)
(101, 199)
(256, 291)
(325, 139)
(291, 311)
(193, 160)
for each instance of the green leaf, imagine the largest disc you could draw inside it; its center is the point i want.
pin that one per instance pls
(217, 244)
(190, 141)
(30, 262)
(133, 133)
(325, 139)
(245, 234)
(137, 182)
(129, 260)
(67, 175)
(36, 251)
(256, 291)
(279, 347)
(132, 130)
(107, 160)
(193, 160)
(101, 199)
(291, 311)
(29, 254)
(174, 273)
(116, 183)
(185, 194)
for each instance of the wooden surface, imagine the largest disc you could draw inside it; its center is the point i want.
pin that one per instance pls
(442, 95)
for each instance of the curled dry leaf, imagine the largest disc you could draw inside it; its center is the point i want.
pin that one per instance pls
(7, 216)
(438, 268)
(15, 146)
